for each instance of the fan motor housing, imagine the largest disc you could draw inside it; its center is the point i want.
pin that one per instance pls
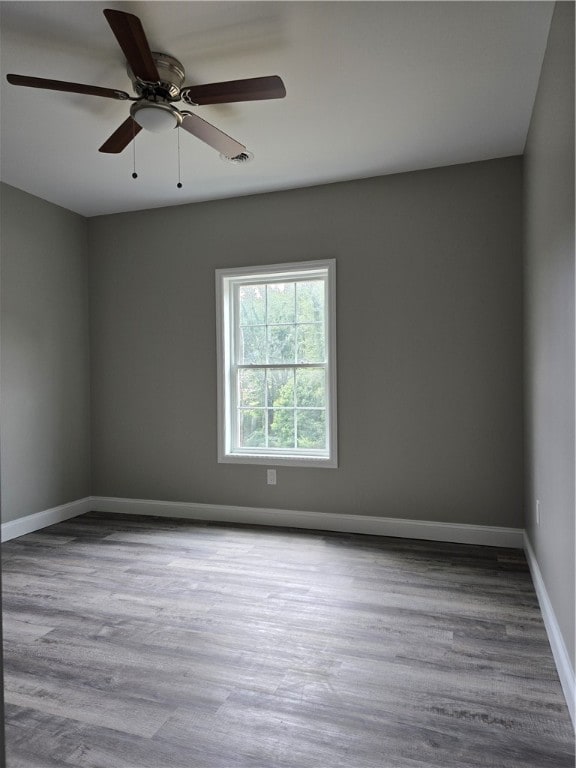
(171, 80)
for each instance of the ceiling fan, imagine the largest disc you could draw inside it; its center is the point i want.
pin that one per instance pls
(157, 79)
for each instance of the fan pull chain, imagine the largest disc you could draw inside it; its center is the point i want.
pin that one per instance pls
(179, 185)
(134, 174)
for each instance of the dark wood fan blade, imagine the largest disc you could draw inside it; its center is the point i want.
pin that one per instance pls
(121, 137)
(63, 85)
(211, 135)
(252, 89)
(131, 38)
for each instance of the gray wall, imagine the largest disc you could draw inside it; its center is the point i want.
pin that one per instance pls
(44, 370)
(549, 281)
(429, 345)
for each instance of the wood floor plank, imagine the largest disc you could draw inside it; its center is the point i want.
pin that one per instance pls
(134, 642)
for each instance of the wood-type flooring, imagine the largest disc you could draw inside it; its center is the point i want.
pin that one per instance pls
(138, 642)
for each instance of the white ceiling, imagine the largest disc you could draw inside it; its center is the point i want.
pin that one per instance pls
(372, 88)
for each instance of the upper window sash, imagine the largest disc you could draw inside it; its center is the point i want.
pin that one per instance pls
(235, 326)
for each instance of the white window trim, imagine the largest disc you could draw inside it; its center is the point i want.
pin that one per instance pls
(224, 279)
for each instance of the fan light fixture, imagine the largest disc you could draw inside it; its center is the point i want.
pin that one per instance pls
(158, 80)
(156, 117)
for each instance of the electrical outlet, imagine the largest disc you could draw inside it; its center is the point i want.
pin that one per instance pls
(537, 511)
(271, 476)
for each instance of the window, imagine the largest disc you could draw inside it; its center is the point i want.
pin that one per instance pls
(277, 364)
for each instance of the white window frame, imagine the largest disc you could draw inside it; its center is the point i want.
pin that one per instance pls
(226, 282)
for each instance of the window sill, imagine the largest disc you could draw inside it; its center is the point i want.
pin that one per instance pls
(317, 462)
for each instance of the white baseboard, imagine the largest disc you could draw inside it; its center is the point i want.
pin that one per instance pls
(38, 520)
(559, 651)
(325, 521)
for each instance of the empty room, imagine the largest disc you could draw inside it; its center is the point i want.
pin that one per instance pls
(287, 414)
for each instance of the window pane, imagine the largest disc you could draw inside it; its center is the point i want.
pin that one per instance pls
(252, 304)
(311, 427)
(251, 388)
(310, 301)
(280, 303)
(310, 388)
(252, 433)
(281, 428)
(281, 388)
(281, 343)
(311, 343)
(253, 344)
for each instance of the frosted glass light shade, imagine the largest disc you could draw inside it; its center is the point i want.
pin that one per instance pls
(155, 119)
